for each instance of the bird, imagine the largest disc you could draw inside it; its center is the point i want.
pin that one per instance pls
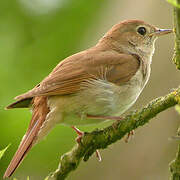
(91, 86)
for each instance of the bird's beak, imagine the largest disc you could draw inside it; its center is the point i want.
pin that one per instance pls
(160, 32)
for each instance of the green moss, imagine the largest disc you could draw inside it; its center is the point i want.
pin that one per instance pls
(175, 166)
(176, 57)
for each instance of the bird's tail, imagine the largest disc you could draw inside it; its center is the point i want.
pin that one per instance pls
(40, 111)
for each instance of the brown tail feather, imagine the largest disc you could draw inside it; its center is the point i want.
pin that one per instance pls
(40, 111)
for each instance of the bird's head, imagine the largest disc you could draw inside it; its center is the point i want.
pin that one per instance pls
(134, 36)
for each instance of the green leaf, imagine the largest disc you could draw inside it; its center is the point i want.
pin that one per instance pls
(46, 178)
(177, 107)
(174, 3)
(3, 151)
(28, 178)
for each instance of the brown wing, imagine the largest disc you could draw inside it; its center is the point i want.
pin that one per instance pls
(67, 77)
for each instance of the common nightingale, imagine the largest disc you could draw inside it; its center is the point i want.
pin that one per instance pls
(92, 86)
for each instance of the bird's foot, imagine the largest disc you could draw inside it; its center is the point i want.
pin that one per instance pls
(78, 140)
(129, 136)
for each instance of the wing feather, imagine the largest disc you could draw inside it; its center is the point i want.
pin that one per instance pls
(67, 77)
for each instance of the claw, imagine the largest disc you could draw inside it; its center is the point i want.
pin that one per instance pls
(129, 136)
(98, 155)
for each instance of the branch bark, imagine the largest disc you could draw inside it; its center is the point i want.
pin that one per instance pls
(101, 139)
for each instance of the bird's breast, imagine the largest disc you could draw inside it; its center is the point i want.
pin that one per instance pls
(98, 97)
(106, 98)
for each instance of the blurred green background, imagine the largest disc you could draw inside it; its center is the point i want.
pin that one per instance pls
(34, 36)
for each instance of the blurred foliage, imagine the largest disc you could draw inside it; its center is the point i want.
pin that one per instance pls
(3, 151)
(26, 179)
(174, 3)
(177, 107)
(32, 42)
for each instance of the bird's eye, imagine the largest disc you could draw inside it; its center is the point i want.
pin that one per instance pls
(141, 30)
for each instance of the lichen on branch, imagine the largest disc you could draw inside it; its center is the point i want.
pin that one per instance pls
(176, 57)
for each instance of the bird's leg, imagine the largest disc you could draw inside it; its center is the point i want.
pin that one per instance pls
(78, 139)
(117, 118)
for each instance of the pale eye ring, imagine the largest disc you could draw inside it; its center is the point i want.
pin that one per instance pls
(141, 30)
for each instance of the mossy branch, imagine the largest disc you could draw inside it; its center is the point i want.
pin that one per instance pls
(176, 57)
(175, 164)
(100, 139)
